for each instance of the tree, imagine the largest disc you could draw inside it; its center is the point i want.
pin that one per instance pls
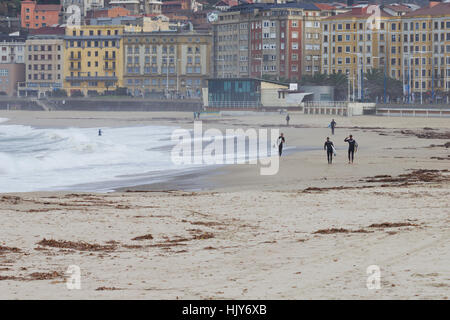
(375, 85)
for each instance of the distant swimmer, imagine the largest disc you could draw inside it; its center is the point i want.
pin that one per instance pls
(332, 125)
(281, 141)
(287, 119)
(99, 132)
(329, 146)
(352, 148)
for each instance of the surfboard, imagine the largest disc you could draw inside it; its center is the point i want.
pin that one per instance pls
(334, 150)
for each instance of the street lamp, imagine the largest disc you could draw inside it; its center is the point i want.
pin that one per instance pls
(358, 55)
(348, 88)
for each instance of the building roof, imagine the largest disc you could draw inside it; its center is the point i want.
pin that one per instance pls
(324, 6)
(165, 3)
(357, 13)
(439, 9)
(174, 16)
(48, 31)
(48, 7)
(229, 3)
(248, 7)
(9, 38)
(398, 7)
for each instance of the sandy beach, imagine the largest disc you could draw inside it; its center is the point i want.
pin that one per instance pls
(308, 232)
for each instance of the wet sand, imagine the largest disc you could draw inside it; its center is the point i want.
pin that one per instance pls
(309, 232)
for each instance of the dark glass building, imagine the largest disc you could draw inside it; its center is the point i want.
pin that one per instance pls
(234, 92)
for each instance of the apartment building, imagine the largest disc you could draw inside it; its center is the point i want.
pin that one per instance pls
(312, 36)
(349, 44)
(44, 69)
(83, 5)
(425, 58)
(176, 63)
(411, 45)
(280, 41)
(134, 6)
(12, 48)
(34, 16)
(93, 59)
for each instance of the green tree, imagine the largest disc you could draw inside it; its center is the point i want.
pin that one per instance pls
(374, 85)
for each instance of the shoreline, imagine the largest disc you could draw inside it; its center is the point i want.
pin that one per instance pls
(308, 232)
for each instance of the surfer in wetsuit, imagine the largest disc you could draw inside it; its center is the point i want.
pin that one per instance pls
(352, 147)
(280, 143)
(99, 132)
(332, 126)
(329, 147)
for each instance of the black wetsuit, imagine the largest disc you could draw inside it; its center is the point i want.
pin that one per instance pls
(281, 142)
(332, 125)
(351, 148)
(329, 147)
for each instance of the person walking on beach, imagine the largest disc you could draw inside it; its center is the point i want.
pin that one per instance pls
(332, 126)
(330, 150)
(352, 148)
(280, 143)
(287, 119)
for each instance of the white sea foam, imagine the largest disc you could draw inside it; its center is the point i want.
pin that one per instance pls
(47, 159)
(33, 159)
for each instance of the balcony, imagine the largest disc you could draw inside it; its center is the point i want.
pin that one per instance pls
(74, 58)
(109, 68)
(109, 58)
(91, 78)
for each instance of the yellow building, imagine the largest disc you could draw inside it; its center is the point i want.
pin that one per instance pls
(93, 59)
(412, 46)
(353, 43)
(426, 51)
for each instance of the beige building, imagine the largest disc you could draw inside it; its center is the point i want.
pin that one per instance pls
(44, 65)
(280, 41)
(151, 24)
(173, 63)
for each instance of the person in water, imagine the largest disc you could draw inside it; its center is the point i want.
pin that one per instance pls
(99, 132)
(352, 147)
(329, 147)
(332, 126)
(280, 143)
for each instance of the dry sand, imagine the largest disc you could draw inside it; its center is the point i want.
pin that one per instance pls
(309, 232)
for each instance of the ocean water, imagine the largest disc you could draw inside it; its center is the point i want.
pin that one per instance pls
(77, 159)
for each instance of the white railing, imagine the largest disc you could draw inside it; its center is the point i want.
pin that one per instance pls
(234, 104)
